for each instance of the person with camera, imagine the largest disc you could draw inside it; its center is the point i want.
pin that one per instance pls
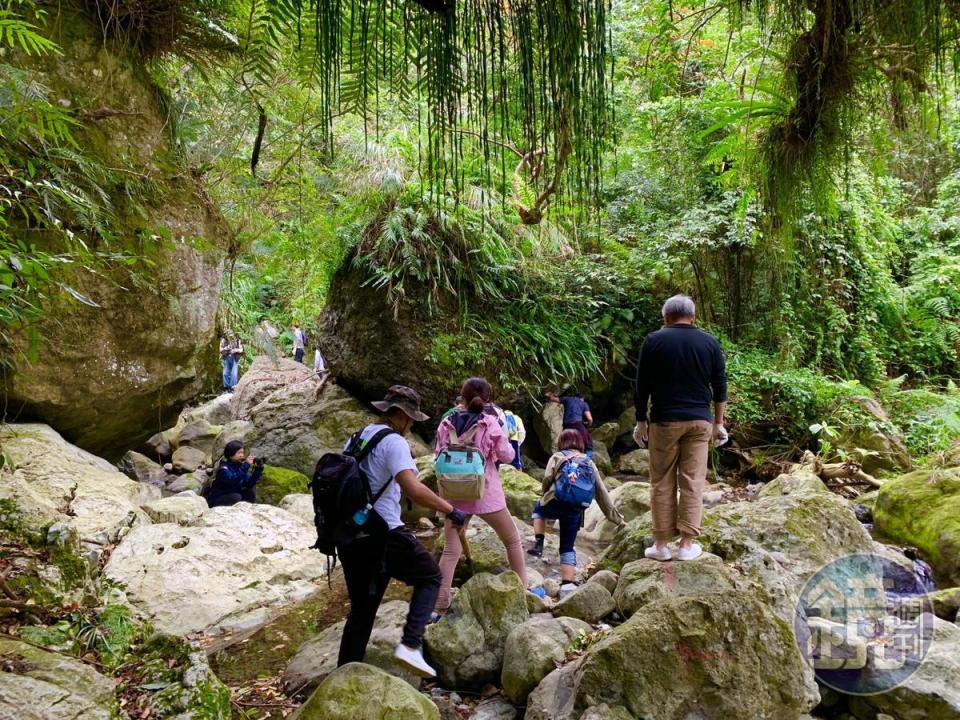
(235, 477)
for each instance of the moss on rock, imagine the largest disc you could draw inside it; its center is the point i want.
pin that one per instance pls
(277, 482)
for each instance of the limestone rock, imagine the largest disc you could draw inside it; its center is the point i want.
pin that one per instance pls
(107, 374)
(605, 712)
(601, 458)
(53, 480)
(188, 459)
(713, 656)
(922, 509)
(217, 411)
(182, 509)
(276, 483)
(301, 505)
(880, 436)
(635, 462)
(521, 490)
(191, 482)
(201, 435)
(38, 684)
(590, 602)
(644, 581)
(554, 697)
(548, 424)
(362, 692)
(418, 446)
(607, 578)
(632, 499)
(532, 651)
(606, 433)
(142, 469)
(628, 543)
(230, 571)
(317, 657)
(161, 445)
(467, 646)
(265, 377)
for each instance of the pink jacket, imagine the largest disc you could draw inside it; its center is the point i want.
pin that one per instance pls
(495, 447)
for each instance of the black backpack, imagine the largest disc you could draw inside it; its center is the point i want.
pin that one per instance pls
(340, 488)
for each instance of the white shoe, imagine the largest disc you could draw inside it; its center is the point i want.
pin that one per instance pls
(412, 660)
(690, 553)
(663, 554)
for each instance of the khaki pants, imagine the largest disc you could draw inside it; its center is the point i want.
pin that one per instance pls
(678, 458)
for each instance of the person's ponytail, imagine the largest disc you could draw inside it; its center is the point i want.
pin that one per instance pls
(476, 393)
(476, 405)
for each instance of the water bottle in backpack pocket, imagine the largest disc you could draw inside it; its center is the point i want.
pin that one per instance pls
(460, 467)
(575, 483)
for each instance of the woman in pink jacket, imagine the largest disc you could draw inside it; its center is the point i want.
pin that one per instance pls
(495, 446)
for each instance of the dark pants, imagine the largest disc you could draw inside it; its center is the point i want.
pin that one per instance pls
(569, 527)
(298, 355)
(249, 495)
(368, 564)
(584, 433)
(515, 444)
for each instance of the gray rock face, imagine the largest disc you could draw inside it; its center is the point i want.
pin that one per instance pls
(886, 444)
(317, 657)
(467, 646)
(148, 348)
(358, 691)
(37, 684)
(184, 509)
(644, 581)
(554, 697)
(142, 469)
(548, 424)
(187, 459)
(533, 650)
(54, 481)
(230, 571)
(635, 462)
(201, 435)
(632, 499)
(590, 602)
(607, 578)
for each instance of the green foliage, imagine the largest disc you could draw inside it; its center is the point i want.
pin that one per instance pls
(930, 421)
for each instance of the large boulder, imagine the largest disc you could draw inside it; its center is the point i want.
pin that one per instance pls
(37, 684)
(922, 509)
(363, 692)
(317, 657)
(231, 571)
(885, 445)
(718, 655)
(301, 505)
(635, 462)
(521, 490)
(467, 646)
(53, 481)
(548, 424)
(533, 650)
(645, 581)
(188, 459)
(107, 374)
(182, 509)
(590, 602)
(632, 499)
(217, 411)
(142, 469)
(201, 435)
(263, 378)
(276, 483)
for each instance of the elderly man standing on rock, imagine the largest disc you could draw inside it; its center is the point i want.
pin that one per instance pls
(680, 372)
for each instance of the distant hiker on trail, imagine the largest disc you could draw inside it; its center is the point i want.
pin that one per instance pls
(299, 342)
(235, 477)
(517, 433)
(458, 405)
(319, 366)
(576, 415)
(681, 370)
(570, 484)
(231, 349)
(474, 434)
(381, 547)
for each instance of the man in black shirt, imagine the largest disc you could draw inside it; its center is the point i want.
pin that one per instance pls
(680, 372)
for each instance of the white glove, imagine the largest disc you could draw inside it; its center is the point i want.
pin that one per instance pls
(720, 435)
(640, 434)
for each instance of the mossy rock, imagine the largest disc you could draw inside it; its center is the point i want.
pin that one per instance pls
(277, 482)
(922, 509)
(363, 692)
(521, 490)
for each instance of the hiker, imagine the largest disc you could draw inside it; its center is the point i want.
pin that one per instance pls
(480, 428)
(576, 415)
(457, 405)
(516, 433)
(681, 370)
(382, 548)
(570, 484)
(319, 366)
(299, 342)
(230, 351)
(235, 477)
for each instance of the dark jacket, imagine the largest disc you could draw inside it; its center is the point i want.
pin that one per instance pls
(235, 477)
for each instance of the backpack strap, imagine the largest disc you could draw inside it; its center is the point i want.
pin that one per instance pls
(364, 452)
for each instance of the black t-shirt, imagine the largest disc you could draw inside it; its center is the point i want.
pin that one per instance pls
(680, 372)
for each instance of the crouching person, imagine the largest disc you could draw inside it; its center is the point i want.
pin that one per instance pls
(383, 548)
(235, 477)
(570, 484)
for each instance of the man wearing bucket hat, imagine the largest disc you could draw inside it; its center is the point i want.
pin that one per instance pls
(385, 549)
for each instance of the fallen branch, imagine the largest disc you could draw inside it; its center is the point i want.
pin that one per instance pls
(848, 470)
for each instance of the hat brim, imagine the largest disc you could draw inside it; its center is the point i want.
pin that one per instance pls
(383, 406)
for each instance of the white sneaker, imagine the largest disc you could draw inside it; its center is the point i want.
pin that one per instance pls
(663, 554)
(412, 660)
(690, 553)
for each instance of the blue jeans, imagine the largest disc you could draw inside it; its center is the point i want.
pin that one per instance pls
(515, 444)
(231, 372)
(569, 527)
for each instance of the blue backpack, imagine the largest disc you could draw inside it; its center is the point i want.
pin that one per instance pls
(575, 483)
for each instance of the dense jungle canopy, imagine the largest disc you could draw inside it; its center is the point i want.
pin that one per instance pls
(523, 181)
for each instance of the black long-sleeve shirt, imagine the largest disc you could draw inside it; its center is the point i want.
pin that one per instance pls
(681, 370)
